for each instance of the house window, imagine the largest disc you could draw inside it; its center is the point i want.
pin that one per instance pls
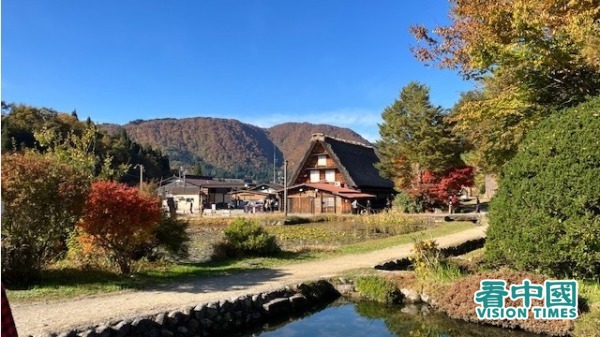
(328, 202)
(315, 176)
(330, 176)
(322, 161)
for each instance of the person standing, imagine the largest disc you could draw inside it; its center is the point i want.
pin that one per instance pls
(455, 203)
(172, 207)
(355, 207)
(368, 206)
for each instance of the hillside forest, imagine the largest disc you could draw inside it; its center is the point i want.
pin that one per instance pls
(221, 148)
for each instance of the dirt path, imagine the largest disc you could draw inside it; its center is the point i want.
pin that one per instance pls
(39, 318)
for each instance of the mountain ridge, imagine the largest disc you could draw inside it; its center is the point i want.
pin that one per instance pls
(229, 148)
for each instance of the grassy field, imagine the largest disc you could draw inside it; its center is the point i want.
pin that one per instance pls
(299, 242)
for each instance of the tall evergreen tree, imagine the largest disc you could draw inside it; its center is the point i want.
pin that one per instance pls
(419, 151)
(415, 139)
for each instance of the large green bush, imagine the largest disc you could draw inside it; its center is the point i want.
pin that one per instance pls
(406, 204)
(246, 238)
(546, 214)
(169, 239)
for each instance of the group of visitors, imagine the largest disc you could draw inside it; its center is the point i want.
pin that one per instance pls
(357, 208)
(270, 205)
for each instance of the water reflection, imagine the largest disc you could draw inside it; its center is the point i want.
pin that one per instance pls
(349, 319)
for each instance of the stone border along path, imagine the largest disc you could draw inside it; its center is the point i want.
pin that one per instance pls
(42, 318)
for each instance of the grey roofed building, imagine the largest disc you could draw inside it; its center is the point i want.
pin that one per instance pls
(354, 160)
(334, 172)
(357, 161)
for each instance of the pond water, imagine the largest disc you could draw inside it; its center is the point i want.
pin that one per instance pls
(349, 319)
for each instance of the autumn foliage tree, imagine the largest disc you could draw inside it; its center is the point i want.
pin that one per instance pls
(434, 189)
(438, 188)
(109, 155)
(531, 59)
(42, 200)
(118, 219)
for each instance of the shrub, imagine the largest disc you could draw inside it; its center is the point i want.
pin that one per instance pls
(169, 237)
(82, 253)
(42, 199)
(296, 220)
(426, 257)
(246, 238)
(546, 214)
(430, 263)
(406, 204)
(118, 219)
(378, 289)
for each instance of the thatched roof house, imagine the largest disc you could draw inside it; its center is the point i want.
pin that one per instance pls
(333, 173)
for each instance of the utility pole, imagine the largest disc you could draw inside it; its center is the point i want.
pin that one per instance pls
(285, 191)
(141, 174)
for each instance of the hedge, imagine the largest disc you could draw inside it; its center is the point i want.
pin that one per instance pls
(546, 214)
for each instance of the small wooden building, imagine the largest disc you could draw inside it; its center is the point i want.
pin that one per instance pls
(335, 172)
(324, 198)
(190, 191)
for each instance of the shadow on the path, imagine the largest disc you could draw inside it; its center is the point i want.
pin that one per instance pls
(184, 277)
(236, 279)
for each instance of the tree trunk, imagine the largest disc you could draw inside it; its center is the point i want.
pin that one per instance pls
(124, 264)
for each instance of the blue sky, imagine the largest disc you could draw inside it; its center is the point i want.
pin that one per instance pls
(263, 62)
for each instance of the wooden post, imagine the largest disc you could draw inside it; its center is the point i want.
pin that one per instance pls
(285, 191)
(141, 174)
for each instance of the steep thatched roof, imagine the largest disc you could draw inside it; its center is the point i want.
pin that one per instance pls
(354, 160)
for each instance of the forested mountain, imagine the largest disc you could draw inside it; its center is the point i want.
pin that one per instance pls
(223, 148)
(20, 123)
(226, 147)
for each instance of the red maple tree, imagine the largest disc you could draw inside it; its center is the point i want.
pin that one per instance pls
(118, 218)
(435, 189)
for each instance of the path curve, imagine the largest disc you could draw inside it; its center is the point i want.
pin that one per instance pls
(41, 318)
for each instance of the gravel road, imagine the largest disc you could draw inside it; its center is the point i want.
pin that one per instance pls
(36, 319)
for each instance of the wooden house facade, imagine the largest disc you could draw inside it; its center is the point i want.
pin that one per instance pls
(335, 172)
(191, 191)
